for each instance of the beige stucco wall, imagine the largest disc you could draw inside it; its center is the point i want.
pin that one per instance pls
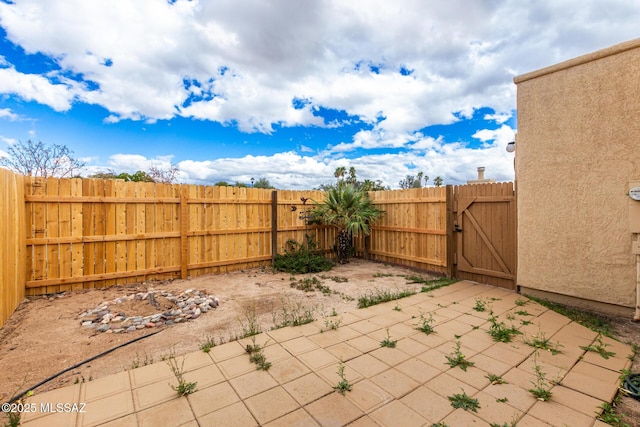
(577, 148)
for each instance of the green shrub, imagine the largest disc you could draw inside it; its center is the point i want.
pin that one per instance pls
(298, 259)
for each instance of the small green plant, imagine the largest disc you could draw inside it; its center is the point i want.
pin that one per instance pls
(525, 322)
(439, 425)
(184, 387)
(337, 279)
(591, 320)
(310, 284)
(388, 342)
(383, 275)
(397, 308)
(14, 419)
(252, 327)
(425, 325)
(541, 387)
(343, 385)
(480, 305)
(542, 342)
(523, 313)
(499, 330)
(599, 347)
(513, 423)
(294, 313)
(495, 379)
(521, 302)
(378, 296)
(137, 361)
(462, 401)
(456, 358)
(333, 312)
(431, 285)
(302, 258)
(502, 400)
(332, 324)
(610, 416)
(208, 344)
(256, 355)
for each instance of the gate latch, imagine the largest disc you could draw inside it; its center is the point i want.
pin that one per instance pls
(457, 228)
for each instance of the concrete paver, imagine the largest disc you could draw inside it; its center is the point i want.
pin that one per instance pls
(406, 385)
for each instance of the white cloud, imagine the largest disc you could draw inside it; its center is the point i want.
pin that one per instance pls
(33, 87)
(6, 113)
(498, 118)
(398, 67)
(502, 135)
(251, 60)
(8, 141)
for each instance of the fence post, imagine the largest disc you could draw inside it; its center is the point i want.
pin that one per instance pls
(450, 234)
(274, 225)
(184, 228)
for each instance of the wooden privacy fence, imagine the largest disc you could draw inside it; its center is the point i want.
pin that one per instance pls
(89, 233)
(63, 234)
(413, 230)
(12, 243)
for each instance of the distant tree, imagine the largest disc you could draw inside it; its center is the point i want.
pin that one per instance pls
(38, 159)
(437, 181)
(138, 176)
(222, 184)
(411, 181)
(263, 183)
(240, 184)
(352, 179)
(167, 176)
(368, 185)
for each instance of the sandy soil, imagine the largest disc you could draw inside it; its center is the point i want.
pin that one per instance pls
(44, 336)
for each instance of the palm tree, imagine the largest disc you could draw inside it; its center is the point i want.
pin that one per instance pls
(349, 210)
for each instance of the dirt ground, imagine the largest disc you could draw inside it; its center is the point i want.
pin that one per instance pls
(44, 336)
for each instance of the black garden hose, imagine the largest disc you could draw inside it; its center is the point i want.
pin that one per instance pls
(22, 394)
(632, 385)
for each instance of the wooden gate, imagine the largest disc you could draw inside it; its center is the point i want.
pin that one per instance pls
(484, 228)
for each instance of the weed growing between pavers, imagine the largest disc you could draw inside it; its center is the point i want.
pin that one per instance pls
(465, 402)
(499, 330)
(456, 358)
(425, 325)
(600, 347)
(331, 324)
(343, 385)
(540, 341)
(184, 387)
(378, 296)
(256, 355)
(495, 379)
(480, 305)
(388, 342)
(541, 387)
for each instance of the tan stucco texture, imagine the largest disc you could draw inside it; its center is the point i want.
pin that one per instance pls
(577, 149)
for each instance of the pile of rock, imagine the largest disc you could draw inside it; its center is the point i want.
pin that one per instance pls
(187, 306)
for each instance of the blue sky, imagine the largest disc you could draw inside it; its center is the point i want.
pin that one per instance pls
(286, 90)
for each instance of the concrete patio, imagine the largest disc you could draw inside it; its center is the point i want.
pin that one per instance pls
(404, 386)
